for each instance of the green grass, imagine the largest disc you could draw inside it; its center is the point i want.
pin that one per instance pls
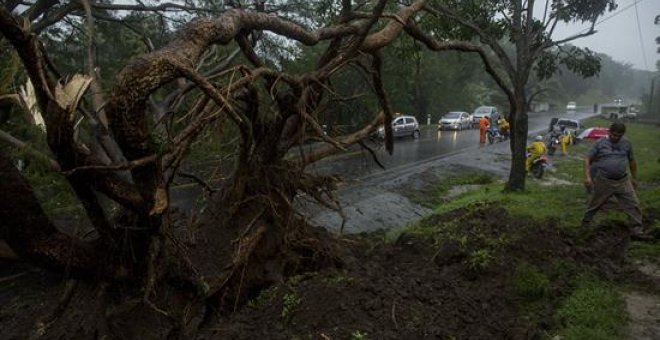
(595, 310)
(530, 282)
(562, 202)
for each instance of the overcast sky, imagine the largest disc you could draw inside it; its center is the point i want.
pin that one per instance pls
(619, 34)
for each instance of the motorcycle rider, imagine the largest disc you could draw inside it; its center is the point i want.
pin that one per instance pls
(535, 150)
(504, 126)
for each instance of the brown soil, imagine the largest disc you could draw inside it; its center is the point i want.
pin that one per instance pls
(413, 289)
(416, 287)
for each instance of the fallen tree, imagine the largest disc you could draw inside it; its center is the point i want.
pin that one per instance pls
(251, 233)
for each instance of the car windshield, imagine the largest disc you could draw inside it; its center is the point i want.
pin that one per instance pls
(568, 123)
(452, 115)
(482, 110)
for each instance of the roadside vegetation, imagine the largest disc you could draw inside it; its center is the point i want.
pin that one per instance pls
(592, 307)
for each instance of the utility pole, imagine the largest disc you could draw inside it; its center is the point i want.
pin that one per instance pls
(652, 94)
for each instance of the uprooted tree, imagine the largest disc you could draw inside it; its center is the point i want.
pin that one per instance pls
(124, 152)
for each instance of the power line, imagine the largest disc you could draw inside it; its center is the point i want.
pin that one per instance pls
(641, 40)
(618, 12)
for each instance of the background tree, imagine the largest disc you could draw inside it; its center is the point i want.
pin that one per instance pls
(491, 24)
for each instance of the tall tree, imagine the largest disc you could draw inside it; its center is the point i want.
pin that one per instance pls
(487, 27)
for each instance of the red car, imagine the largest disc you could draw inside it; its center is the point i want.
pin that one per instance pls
(593, 133)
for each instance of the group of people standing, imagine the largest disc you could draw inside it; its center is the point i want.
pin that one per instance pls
(606, 175)
(495, 121)
(606, 166)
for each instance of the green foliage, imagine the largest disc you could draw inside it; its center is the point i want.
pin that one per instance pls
(290, 302)
(265, 298)
(339, 279)
(546, 66)
(530, 282)
(481, 259)
(357, 335)
(595, 310)
(583, 62)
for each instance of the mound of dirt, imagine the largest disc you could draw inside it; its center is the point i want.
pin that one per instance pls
(423, 287)
(467, 274)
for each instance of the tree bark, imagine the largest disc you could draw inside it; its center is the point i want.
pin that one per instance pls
(30, 234)
(518, 141)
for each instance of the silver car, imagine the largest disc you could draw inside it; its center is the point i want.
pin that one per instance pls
(402, 126)
(455, 120)
(483, 111)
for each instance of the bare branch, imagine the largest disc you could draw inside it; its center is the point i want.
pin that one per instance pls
(327, 149)
(17, 143)
(591, 31)
(113, 167)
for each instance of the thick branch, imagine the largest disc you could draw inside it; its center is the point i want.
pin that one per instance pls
(328, 149)
(499, 51)
(435, 45)
(17, 143)
(31, 235)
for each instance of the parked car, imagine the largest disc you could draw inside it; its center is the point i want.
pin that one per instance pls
(402, 126)
(571, 107)
(571, 125)
(482, 111)
(455, 120)
(593, 133)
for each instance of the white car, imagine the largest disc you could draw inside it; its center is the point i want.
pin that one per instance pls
(402, 126)
(455, 120)
(571, 107)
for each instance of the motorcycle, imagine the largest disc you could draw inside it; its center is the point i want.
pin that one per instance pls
(495, 135)
(552, 143)
(538, 166)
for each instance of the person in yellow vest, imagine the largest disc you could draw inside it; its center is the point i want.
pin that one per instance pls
(535, 150)
(565, 140)
(503, 126)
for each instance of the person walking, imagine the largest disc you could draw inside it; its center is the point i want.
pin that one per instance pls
(605, 175)
(565, 140)
(483, 127)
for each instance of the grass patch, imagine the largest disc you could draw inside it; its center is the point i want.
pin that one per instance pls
(595, 310)
(530, 282)
(563, 203)
(439, 192)
(471, 178)
(645, 251)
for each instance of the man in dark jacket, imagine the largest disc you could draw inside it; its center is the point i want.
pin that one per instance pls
(605, 173)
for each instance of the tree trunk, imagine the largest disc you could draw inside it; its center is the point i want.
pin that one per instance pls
(518, 142)
(30, 234)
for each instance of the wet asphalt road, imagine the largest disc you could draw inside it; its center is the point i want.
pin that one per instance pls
(431, 144)
(357, 164)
